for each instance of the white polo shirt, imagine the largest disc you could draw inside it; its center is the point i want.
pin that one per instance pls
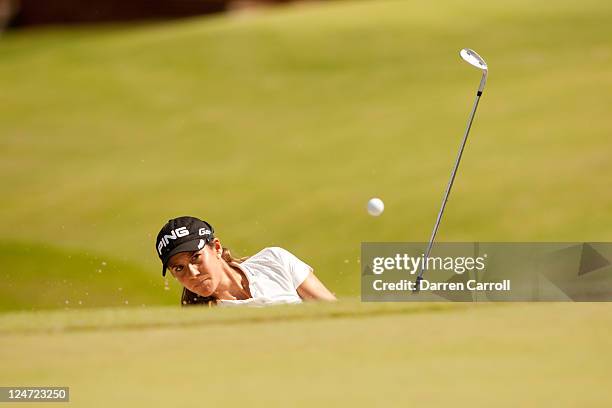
(274, 274)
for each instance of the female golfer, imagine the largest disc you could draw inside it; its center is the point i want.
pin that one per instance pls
(210, 275)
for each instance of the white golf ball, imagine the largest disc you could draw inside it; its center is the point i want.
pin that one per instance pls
(376, 207)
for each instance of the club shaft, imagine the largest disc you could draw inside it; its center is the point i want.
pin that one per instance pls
(450, 185)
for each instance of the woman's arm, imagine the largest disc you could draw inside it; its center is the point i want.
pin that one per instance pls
(313, 289)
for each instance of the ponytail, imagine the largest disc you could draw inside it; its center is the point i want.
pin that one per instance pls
(226, 255)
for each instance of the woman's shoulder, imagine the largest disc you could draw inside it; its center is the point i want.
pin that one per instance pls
(272, 253)
(277, 261)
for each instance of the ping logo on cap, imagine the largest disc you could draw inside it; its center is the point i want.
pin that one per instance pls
(179, 233)
(174, 234)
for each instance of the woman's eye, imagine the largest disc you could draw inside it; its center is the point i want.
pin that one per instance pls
(178, 268)
(195, 257)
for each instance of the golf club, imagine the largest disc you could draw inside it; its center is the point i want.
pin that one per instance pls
(471, 57)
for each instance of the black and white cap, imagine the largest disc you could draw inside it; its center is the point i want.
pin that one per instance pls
(182, 234)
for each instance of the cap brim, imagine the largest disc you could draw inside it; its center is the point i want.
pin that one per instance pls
(189, 246)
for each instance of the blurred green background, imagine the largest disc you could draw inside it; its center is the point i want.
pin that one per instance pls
(278, 126)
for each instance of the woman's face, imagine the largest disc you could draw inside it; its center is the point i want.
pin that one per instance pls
(200, 271)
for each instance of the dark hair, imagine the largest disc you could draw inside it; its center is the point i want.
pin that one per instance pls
(189, 298)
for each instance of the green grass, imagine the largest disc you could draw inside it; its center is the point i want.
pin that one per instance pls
(344, 354)
(36, 277)
(277, 127)
(145, 318)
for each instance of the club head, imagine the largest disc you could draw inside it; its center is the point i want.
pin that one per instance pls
(471, 57)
